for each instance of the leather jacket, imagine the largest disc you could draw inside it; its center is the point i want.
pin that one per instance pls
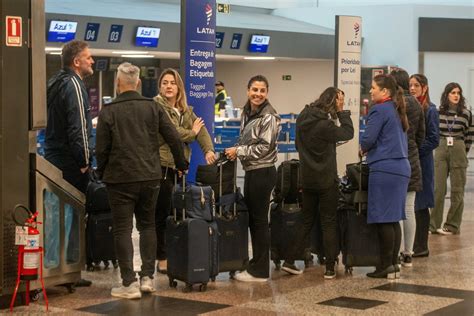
(257, 147)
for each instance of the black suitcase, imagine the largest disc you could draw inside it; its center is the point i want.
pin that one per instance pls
(100, 240)
(233, 223)
(287, 186)
(285, 222)
(192, 249)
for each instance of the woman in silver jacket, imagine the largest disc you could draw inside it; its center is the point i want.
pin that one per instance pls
(257, 150)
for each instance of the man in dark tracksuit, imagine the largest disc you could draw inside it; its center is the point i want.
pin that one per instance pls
(68, 130)
(128, 161)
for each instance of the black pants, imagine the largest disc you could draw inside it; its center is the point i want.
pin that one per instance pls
(422, 229)
(323, 204)
(258, 187)
(137, 198)
(163, 210)
(390, 237)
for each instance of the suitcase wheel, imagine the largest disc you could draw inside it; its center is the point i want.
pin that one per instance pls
(115, 264)
(213, 279)
(321, 260)
(277, 264)
(203, 287)
(232, 274)
(173, 283)
(348, 270)
(35, 295)
(106, 264)
(90, 268)
(188, 288)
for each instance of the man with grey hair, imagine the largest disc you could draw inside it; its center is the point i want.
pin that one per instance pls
(128, 161)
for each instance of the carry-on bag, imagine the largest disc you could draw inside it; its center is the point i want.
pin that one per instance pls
(232, 221)
(286, 221)
(99, 229)
(287, 186)
(359, 240)
(191, 247)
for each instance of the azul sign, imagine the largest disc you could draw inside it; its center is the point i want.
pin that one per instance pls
(259, 43)
(147, 36)
(62, 31)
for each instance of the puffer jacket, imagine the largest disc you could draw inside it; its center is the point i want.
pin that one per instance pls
(416, 136)
(259, 131)
(184, 125)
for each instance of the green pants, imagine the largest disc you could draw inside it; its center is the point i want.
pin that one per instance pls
(449, 161)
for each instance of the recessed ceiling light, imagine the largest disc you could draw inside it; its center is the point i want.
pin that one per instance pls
(132, 52)
(55, 53)
(52, 49)
(259, 58)
(138, 56)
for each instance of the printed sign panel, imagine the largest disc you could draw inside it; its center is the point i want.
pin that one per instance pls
(147, 36)
(259, 43)
(13, 35)
(92, 32)
(62, 31)
(236, 40)
(115, 33)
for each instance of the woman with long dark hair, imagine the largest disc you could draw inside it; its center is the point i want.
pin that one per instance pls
(316, 138)
(425, 198)
(257, 150)
(386, 145)
(456, 131)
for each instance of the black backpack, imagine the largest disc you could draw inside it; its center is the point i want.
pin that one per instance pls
(287, 185)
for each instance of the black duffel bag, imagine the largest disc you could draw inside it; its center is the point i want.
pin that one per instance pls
(209, 175)
(358, 175)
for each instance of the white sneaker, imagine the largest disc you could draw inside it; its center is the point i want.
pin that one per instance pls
(247, 277)
(132, 291)
(146, 285)
(444, 231)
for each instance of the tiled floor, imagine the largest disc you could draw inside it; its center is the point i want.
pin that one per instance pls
(442, 284)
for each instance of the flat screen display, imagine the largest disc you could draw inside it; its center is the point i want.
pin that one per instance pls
(259, 43)
(147, 36)
(62, 31)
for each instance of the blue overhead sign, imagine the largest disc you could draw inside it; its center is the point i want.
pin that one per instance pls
(259, 43)
(62, 31)
(115, 33)
(236, 40)
(219, 39)
(147, 36)
(92, 32)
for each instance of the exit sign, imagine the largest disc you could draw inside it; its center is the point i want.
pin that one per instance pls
(286, 77)
(223, 8)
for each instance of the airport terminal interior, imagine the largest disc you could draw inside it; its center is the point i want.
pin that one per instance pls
(301, 47)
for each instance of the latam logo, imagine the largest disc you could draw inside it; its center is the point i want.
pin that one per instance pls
(356, 29)
(208, 13)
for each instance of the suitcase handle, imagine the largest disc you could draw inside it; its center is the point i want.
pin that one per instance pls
(184, 190)
(361, 160)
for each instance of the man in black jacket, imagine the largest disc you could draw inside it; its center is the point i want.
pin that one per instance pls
(316, 138)
(128, 161)
(68, 129)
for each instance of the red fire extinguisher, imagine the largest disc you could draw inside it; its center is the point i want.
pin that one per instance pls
(30, 256)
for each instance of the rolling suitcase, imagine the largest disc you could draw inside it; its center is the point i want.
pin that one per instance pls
(285, 222)
(191, 243)
(99, 228)
(359, 240)
(233, 223)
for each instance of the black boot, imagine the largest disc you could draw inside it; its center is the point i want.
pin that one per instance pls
(420, 247)
(387, 273)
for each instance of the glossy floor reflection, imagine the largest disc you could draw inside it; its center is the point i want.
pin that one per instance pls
(442, 284)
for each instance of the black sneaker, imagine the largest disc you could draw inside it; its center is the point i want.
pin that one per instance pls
(329, 274)
(406, 260)
(291, 268)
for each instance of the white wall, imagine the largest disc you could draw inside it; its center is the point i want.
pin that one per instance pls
(308, 80)
(390, 32)
(442, 68)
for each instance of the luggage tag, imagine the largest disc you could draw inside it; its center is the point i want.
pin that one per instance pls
(450, 141)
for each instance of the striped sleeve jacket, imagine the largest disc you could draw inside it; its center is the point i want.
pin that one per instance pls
(457, 126)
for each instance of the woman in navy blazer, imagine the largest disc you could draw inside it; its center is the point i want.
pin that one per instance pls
(425, 198)
(385, 143)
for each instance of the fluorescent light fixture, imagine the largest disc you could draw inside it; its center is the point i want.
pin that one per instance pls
(259, 58)
(55, 53)
(138, 56)
(52, 49)
(126, 52)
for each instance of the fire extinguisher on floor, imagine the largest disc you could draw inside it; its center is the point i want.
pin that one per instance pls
(30, 254)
